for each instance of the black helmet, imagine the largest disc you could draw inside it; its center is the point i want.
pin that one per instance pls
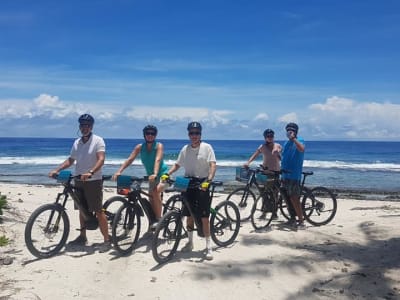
(292, 127)
(86, 118)
(194, 125)
(268, 132)
(149, 128)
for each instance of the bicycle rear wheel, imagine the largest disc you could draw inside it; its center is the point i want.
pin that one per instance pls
(47, 230)
(263, 209)
(167, 236)
(125, 229)
(173, 202)
(244, 199)
(224, 223)
(111, 206)
(319, 206)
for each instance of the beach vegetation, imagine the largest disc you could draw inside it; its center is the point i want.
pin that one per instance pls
(3, 203)
(4, 241)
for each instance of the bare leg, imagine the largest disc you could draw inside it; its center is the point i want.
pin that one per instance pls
(82, 222)
(103, 224)
(206, 226)
(156, 203)
(297, 207)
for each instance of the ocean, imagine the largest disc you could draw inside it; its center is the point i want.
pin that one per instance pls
(349, 165)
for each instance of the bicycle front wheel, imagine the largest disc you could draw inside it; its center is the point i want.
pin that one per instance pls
(173, 202)
(111, 206)
(263, 209)
(167, 236)
(224, 223)
(244, 199)
(319, 206)
(47, 230)
(125, 229)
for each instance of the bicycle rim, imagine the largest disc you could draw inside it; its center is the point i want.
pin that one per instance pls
(173, 203)
(111, 207)
(167, 237)
(47, 230)
(319, 206)
(261, 216)
(244, 200)
(125, 229)
(225, 223)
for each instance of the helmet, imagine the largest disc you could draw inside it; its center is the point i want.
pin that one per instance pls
(149, 128)
(268, 132)
(194, 125)
(86, 118)
(292, 127)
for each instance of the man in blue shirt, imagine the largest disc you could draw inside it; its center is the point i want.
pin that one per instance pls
(292, 162)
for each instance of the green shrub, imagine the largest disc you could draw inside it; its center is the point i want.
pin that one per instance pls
(4, 241)
(3, 203)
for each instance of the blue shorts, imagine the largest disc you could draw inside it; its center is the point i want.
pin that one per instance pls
(292, 187)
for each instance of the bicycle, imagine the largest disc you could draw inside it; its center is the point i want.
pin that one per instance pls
(244, 197)
(224, 222)
(319, 204)
(48, 227)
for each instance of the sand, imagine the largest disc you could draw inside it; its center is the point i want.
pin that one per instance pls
(356, 256)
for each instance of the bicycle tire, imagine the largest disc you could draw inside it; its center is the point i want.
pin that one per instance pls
(283, 207)
(173, 202)
(244, 199)
(261, 216)
(125, 229)
(50, 219)
(111, 206)
(319, 206)
(224, 223)
(167, 236)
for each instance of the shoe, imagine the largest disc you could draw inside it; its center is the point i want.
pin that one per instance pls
(209, 254)
(262, 216)
(291, 223)
(188, 247)
(79, 241)
(105, 247)
(301, 226)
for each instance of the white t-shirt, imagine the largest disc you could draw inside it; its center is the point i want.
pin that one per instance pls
(196, 161)
(85, 155)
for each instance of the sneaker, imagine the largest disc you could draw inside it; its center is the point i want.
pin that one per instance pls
(301, 225)
(188, 247)
(209, 254)
(154, 226)
(79, 241)
(105, 247)
(291, 223)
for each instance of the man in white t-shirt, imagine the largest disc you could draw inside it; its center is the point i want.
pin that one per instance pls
(198, 160)
(88, 152)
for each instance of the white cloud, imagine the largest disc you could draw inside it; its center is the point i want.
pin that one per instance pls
(262, 117)
(289, 117)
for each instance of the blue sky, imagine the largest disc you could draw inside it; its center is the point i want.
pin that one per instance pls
(238, 67)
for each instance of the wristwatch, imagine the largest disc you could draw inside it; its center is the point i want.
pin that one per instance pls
(91, 172)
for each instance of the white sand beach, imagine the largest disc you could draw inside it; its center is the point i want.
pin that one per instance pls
(356, 256)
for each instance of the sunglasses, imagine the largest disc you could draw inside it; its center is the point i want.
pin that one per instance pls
(85, 125)
(150, 133)
(269, 136)
(194, 133)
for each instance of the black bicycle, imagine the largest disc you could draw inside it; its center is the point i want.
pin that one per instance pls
(319, 204)
(48, 227)
(245, 196)
(224, 223)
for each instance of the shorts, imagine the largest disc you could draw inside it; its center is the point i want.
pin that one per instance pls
(199, 201)
(90, 193)
(292, 187)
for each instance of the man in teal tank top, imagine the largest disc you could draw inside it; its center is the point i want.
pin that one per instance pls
(151, 154)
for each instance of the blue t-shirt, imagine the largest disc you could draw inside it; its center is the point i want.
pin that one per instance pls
(148, 158)
(292, 160)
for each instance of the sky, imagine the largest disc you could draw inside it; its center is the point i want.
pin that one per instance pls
(237, 67)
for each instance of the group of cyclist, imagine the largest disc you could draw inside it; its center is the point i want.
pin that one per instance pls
(290, 158)
(199, 163)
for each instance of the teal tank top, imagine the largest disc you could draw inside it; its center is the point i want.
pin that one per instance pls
(148, 158)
